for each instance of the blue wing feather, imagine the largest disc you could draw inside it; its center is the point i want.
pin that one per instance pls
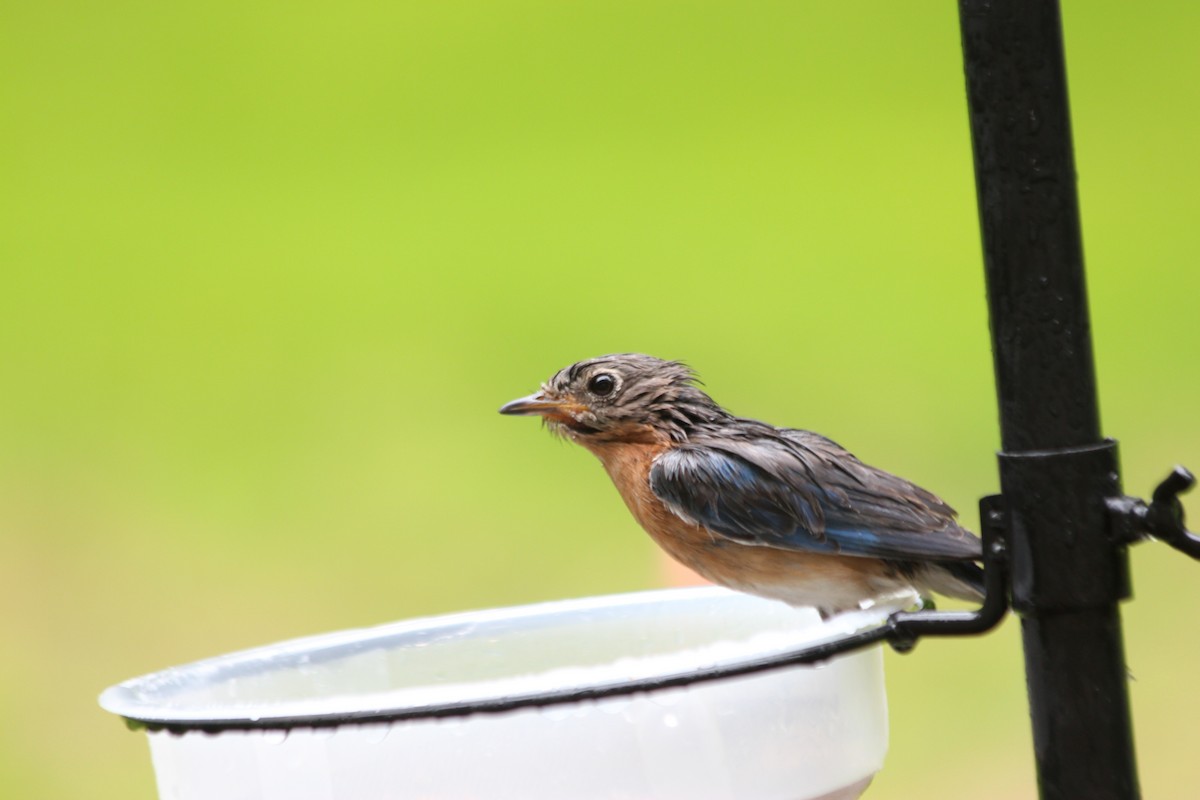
(799, 491)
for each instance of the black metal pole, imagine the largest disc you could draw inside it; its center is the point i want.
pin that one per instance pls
(1055, 469)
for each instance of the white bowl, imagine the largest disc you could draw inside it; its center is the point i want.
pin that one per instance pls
(415, 709)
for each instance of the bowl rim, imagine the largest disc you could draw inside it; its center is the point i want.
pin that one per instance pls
(819, 642)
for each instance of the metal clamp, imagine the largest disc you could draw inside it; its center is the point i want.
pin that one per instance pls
(1163, 518)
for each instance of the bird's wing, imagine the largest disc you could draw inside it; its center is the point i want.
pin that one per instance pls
(799, 491)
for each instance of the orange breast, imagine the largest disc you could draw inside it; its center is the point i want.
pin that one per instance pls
(629, 467)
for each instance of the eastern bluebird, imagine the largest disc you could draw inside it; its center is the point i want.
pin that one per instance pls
(777, 512)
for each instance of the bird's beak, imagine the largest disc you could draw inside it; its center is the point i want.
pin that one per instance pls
(539, 403)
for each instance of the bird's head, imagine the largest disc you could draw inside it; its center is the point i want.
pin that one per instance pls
(621, 398)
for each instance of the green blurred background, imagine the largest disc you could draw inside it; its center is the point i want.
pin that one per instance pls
(268, 270)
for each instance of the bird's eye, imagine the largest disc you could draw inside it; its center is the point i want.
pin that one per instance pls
(602, 385)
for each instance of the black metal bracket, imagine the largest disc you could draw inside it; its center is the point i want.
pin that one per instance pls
(901, 631)
(905, 627)
(1135, 520)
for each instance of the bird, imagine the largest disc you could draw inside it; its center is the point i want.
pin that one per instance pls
(781, 513)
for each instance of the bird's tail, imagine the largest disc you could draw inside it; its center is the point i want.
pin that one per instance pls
(960, 579)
